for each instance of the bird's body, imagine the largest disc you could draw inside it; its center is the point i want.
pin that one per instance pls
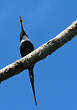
(25, 48)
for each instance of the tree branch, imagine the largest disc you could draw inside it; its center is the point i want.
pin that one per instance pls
(40, 53)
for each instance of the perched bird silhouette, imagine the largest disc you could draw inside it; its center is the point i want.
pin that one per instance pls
(25, 48)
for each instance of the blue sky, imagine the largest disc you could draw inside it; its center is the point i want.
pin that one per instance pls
(55, 76)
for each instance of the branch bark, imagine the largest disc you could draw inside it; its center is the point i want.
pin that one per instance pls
(40, 53)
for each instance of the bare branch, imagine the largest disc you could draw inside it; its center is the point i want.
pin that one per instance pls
(40, 53)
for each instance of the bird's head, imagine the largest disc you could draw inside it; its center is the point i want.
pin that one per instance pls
(21, 21)
(23, 35)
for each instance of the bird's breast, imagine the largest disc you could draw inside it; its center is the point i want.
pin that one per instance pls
(24, 38)
(26, 47)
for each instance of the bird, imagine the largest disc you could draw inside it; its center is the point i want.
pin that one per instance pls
(27, 47)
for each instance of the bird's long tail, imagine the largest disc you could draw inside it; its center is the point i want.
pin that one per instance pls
(31, 75)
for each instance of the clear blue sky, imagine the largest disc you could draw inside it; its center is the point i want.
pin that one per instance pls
(55, 76)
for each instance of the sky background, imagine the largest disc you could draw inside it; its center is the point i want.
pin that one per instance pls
(55, 76)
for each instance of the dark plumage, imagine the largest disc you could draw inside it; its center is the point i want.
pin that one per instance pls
(25, 48)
